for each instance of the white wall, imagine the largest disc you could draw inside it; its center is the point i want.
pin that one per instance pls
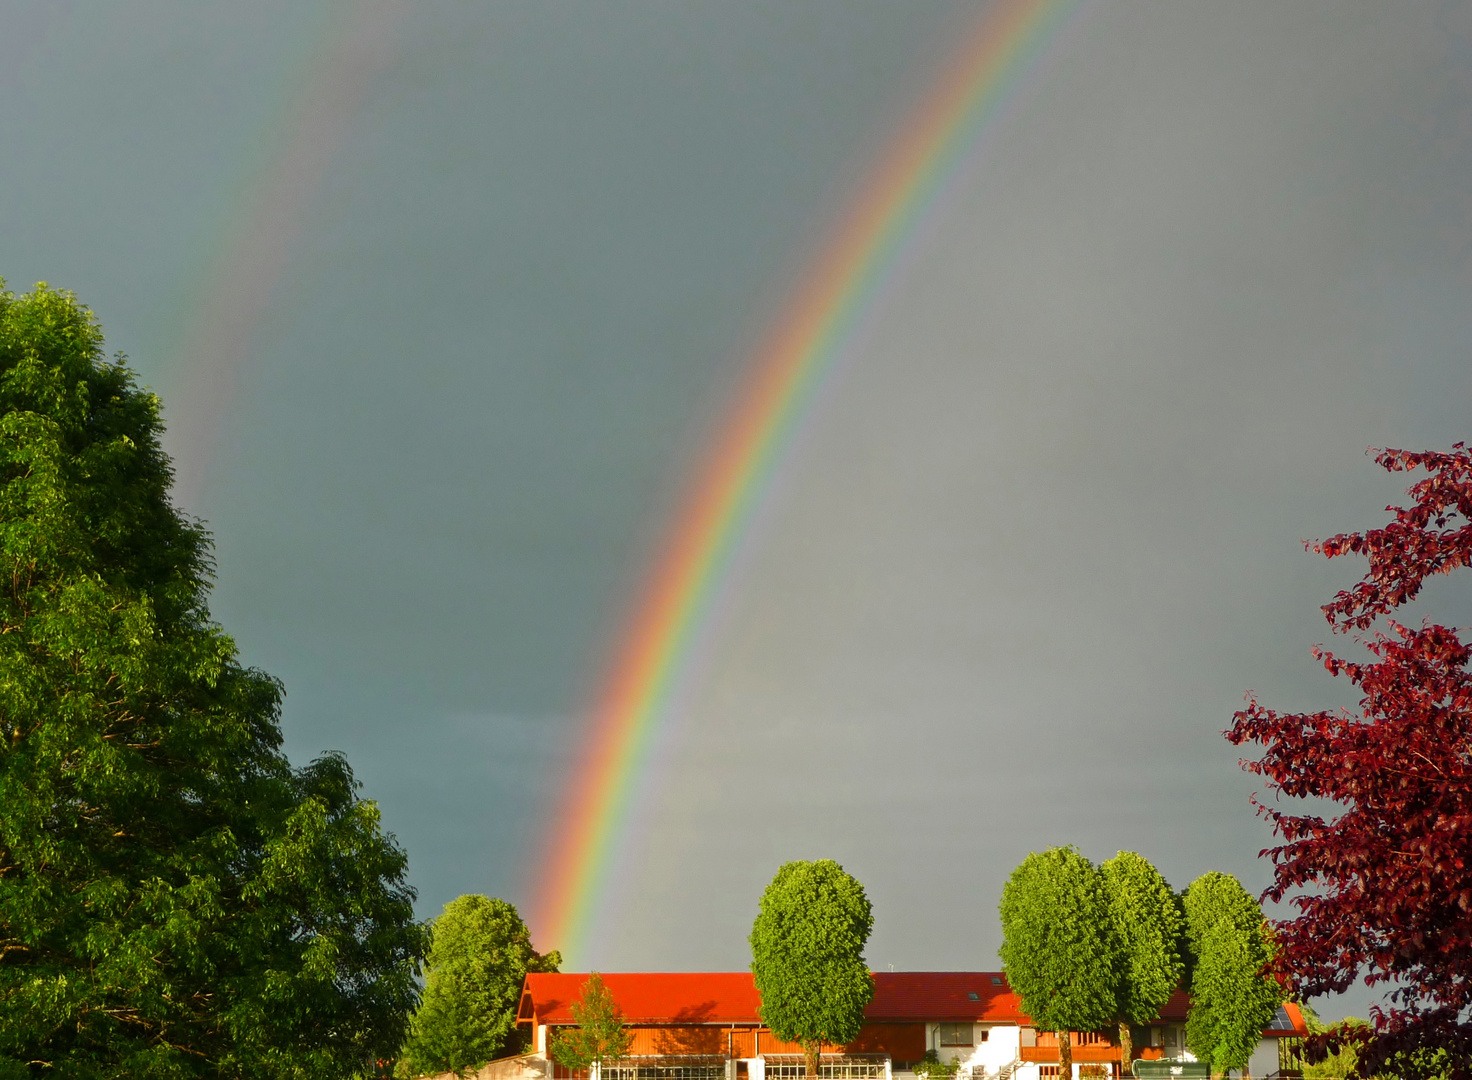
(998, 1049)
(1264, 1059)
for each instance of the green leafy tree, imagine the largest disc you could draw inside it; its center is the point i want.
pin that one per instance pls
(600, 1034)
(1058, 945)
(1146, 922)
(1344, 1063)
(807, 956)
(175, 900)
(479, 956)
(1232, 995)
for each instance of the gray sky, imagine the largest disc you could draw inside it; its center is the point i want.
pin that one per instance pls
(1041, 537)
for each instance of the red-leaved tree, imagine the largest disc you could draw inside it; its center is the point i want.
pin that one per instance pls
(1385, 888)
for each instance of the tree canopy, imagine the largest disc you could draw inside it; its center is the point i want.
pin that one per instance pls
(807, 956)
(1058, 945)
(1145, 920)
(479, 955)
(599, 1035)
(1384, 888)
(175, 899)
(1233, 997)
(1345, 1061)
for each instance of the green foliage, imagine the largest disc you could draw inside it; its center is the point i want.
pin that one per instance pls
(600, 1034)
(1146, 923)
(1344, 1061)
(1058, 945)
(1340, 1065)
(807, 955)
(1145, 920)
(1232, 996)
(175, 899)
(479, 956)
(933, 1068)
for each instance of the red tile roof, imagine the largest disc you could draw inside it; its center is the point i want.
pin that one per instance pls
(955, 996)
(712, 997)
(730, 997)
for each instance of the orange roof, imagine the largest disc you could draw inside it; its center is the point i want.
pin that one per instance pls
(944, 995)
(711, 997)
(1287, 1021)
(730, 997)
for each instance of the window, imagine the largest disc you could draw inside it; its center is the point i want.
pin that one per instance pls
(666, 1068)
(955, 1034)
(830, 1067)
(1166, 1037)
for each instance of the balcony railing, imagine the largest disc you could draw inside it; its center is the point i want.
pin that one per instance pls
(1097, 1053)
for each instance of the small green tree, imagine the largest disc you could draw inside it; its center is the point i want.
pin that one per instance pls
(1146, 922)
(807, 956)
(480, 953)
(176, 900)
(600, 1034)
(1058, 945)
(1232, 995)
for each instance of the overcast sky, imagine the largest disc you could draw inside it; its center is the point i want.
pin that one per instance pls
(1041, 537)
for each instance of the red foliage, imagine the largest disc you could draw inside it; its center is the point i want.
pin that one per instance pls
(1385, 888)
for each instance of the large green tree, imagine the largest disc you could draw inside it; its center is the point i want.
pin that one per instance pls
(1232, 995)
(175, 899)
(807, 956)
(1058, 945)
(479, 956)
(1146, 922)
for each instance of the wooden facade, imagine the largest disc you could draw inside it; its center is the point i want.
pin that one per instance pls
(1089, 1047)
(901, 1042)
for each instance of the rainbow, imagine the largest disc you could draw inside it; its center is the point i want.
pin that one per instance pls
(818, 327)
(230, 295)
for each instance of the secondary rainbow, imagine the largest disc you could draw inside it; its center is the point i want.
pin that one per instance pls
(232, 291)
(845, 282)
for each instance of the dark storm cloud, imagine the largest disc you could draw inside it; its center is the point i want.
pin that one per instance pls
(522, 284)
(1049, 532)
(1038, 545)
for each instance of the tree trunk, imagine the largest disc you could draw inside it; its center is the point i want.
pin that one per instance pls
(1065, 1056)
(1126, 1049)
(812, 1052)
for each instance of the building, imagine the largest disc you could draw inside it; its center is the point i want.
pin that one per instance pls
(707, 1026)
